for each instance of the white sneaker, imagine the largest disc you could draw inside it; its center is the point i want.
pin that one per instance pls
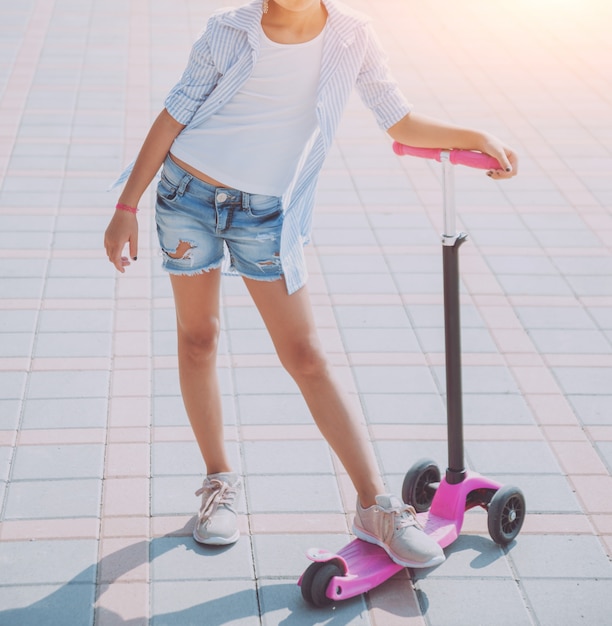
(217, 522)
(393, 526)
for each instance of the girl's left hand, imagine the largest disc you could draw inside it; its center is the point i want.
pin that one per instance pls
(506, 157)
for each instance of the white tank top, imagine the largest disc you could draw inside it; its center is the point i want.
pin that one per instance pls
(254, 142)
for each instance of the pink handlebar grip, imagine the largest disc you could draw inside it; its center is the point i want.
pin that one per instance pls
(470, 158)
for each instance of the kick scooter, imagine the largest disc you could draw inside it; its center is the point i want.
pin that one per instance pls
(440, 503)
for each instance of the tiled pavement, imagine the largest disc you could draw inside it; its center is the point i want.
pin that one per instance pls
(97, 463)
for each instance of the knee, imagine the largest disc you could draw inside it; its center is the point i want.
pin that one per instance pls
(305, 359)
(200, 343)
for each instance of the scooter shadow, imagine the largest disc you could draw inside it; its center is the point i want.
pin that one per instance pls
(467, 554)
(473, 552)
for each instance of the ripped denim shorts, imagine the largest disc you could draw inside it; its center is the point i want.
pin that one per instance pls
(198, 224)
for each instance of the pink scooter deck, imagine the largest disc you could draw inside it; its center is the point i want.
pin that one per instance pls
(366, 566)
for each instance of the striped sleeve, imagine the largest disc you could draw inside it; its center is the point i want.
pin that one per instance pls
(377, 88)
(199, 79)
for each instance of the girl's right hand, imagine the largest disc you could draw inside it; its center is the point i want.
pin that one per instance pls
(122, 229)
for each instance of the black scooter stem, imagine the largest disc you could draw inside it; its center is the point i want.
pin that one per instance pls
(452, 333)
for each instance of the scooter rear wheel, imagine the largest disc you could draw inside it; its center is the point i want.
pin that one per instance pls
(420, 484)
(315, 581)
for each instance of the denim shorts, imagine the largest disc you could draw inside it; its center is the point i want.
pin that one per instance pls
(204, 224)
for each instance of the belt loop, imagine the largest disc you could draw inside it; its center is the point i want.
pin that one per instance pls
(183, 184)
(245, 200)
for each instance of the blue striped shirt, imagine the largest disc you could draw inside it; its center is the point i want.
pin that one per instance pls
(222, 60)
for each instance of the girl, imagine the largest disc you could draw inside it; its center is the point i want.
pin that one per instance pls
(242, 138)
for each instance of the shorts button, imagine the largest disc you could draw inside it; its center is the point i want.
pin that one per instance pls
(221, 197)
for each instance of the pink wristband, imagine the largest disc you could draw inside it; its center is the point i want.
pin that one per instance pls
(126, 207)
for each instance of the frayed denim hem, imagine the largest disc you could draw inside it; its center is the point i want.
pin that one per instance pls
(230, 272)
(175, 271)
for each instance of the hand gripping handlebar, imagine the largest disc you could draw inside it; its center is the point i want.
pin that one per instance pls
(470, 158)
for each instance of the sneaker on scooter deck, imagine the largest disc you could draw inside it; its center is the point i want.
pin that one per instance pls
(393, 526)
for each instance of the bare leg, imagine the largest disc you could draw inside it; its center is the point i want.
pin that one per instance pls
(197, 312)
(290, 322)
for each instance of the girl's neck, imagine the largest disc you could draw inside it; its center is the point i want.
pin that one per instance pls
(294, 21)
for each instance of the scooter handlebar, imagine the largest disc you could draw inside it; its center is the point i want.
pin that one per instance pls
(470, 158)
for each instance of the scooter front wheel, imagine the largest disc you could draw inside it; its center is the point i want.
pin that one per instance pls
(420, 485)
(506, 514)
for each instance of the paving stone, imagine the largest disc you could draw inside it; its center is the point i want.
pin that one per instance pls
(372, 317)
(532, 285)
(287, 457)
(52, 605)
(564, 318)
(58, 461)
(6, 453)
(55, 413)
(182, 458)
(214, 603)
(380, 340)
(182, 559)
(251, 341)
(287, 494)
(12, 385)
(16, 344)
(511, 457)
(420, 263)
(577, 342)
(48, 562)
(10, 411)
(517, 264)
(602, 316)
(557, 601)
(52, 345)
(404, 408)
(605, 450)
(353, 263)
(63, 321)
(476, 607)
(584, 380)
(21, 268)
(394, 379)
(573, 557)
(286, 408)
(48, 499)
(495, 408)
(20, 321)
(593, 410)
(68, 384)
(18, 288)
(373, 284)
(397, 457)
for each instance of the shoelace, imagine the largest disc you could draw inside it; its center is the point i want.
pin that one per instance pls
(220, 493)
(405, 516)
